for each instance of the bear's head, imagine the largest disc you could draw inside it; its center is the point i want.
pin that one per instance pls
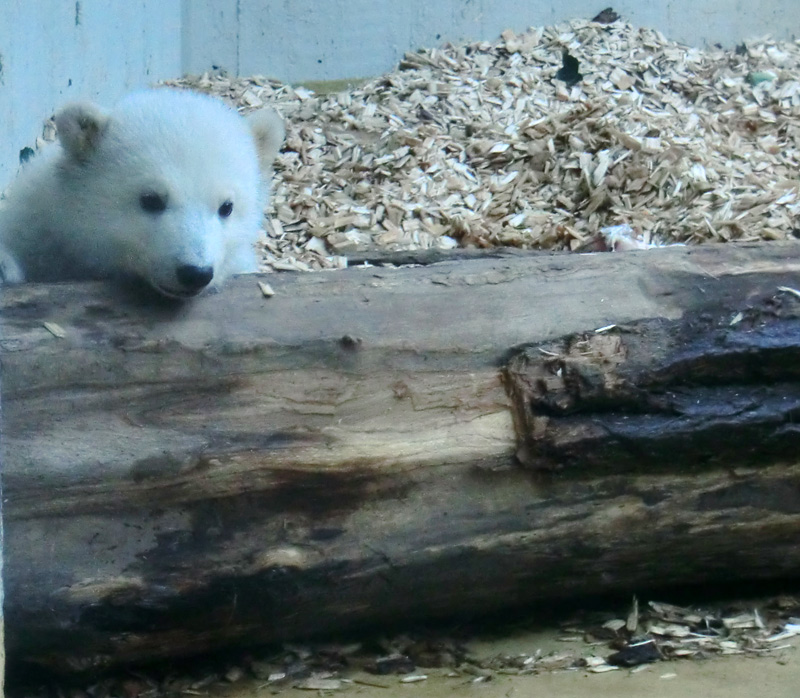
(170, 186)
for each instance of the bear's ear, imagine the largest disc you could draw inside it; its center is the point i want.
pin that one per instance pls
(268, 132)
(80, 128)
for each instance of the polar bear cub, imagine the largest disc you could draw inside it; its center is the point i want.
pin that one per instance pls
(169, 186)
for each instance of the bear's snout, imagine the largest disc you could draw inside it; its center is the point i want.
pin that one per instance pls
(194, 279)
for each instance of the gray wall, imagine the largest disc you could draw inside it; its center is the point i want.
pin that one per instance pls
(297, 40)
(52, 51)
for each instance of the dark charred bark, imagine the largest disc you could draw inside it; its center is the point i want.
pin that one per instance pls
(704, 391)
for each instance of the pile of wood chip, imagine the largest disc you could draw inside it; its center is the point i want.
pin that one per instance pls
(663, 631)
(482, 145)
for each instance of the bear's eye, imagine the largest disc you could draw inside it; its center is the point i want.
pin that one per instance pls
(152, 202)
(226, 209)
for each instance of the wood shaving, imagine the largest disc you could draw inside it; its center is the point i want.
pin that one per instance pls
(479, 145)
(266, 290)
(55, 329)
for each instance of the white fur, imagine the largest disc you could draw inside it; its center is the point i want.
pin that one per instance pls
(76, 210)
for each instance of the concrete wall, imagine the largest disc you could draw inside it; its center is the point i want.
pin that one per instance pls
(297, 40)
(52, 51)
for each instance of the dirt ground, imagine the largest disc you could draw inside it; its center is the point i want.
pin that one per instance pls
(776, 676)
(511, 659)
(718, 678)
(736, 648)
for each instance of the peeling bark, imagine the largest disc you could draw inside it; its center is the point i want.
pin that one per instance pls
(663, 395)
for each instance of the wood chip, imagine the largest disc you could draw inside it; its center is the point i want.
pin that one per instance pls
(318, 684)
(55, 329)
(416, 678)
(266, 290)
(479, 145)
(787, 289)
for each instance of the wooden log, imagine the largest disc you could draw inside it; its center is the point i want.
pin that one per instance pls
(380, 445)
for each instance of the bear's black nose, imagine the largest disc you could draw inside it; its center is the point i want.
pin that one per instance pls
(194, 278)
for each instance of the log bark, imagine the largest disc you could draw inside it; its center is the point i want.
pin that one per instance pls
(380, 445)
